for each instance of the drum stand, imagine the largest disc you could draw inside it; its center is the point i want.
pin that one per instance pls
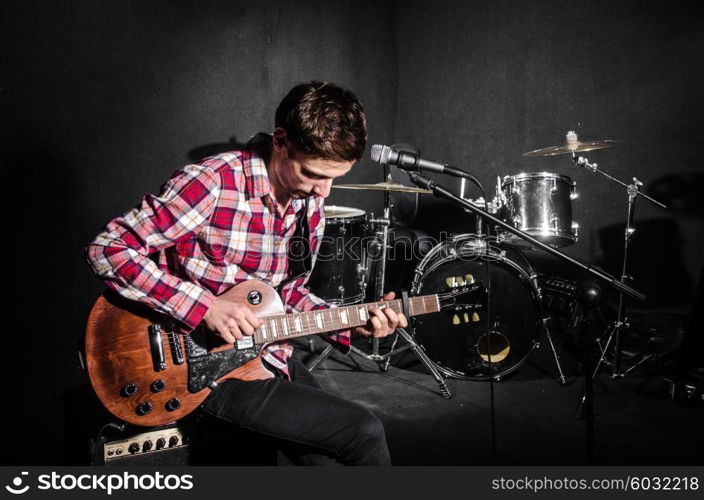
(621, 323)
(380, 245)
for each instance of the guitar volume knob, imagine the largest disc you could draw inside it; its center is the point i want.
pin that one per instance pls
(128, 390)
(143, 408)
(173, 404)
(158, 385)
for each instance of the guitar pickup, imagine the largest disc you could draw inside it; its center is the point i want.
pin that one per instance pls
(156, 347)
(245, 342)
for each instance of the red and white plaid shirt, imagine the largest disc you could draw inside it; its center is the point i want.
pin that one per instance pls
(215, 224)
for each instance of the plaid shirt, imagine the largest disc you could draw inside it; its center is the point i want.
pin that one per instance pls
(215, 224)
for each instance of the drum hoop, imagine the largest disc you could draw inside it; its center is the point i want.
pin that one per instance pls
(541, 232)
(526, 176)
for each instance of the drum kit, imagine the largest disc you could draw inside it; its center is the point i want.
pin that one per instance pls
(479, 346)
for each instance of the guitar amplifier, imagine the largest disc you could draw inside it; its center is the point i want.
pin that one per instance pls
(164, 446)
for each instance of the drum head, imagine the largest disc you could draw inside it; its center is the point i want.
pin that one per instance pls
(461, 343)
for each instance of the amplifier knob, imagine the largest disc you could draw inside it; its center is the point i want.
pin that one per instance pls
(128, 390)
(147, 446)
(173, 404)
(134, 448)
(173, 441)
(158, 386)
(143, 408)
(160, 443)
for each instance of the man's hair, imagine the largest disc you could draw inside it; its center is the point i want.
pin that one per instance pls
(324, 121)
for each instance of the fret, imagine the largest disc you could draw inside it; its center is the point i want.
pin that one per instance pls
(334, 321)
(310, 322)
(319, 320)
(284, 322)
(327, 323)
(357, 320)
(272, 328)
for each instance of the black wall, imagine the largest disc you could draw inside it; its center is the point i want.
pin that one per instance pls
(103, 100)
(481, 83)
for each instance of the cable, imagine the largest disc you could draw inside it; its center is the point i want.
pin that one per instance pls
(487, 279)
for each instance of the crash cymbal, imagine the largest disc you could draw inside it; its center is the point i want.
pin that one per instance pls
(384, 186)
(572, 145)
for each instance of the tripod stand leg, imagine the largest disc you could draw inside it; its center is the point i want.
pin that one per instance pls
(444, 391)
(323, 355)
(554, 354)
(385, 364)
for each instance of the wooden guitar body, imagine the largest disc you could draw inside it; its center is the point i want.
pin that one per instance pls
(121, 361)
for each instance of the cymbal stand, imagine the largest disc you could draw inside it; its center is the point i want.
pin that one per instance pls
(621, 323)
(381, 245)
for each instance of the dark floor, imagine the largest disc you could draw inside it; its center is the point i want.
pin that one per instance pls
(636, 422)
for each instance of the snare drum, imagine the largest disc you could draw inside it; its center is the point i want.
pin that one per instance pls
(339, 275)
(539, 204)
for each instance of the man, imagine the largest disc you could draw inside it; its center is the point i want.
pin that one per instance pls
(231, 218)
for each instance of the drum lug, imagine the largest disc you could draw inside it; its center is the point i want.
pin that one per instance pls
(574, 194)
(575, 230)
(516, 221)
(555, 223)
(554, 185)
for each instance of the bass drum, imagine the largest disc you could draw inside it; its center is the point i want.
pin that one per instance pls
(460, 343)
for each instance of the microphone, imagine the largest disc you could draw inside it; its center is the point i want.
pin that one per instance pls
(410, 162)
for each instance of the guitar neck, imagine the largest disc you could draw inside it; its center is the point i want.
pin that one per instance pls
(288, 326)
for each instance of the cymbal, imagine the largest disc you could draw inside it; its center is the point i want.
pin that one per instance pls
(384, 186)
(573, 146)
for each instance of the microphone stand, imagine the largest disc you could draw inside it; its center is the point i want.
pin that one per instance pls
(589, 296)
(621, 323)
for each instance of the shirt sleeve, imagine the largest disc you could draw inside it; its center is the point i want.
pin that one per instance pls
(120, 253)
(297, 297)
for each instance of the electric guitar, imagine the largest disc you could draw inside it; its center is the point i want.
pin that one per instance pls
(146, 374)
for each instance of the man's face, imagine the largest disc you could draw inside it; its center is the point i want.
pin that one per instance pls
(302, 175)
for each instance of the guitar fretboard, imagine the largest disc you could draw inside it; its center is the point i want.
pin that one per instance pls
(287, 326)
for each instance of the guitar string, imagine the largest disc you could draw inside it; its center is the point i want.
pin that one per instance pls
(312, 327)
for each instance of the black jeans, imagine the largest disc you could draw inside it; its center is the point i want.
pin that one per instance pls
(311, 426)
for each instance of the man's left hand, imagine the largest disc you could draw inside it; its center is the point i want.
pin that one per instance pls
(382, 322)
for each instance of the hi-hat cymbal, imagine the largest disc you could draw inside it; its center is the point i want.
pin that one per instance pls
(384, 186)
(572, 145)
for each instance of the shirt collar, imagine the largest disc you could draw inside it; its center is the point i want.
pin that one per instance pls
(258, 183)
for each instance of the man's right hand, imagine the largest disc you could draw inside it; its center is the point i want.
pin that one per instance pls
(230, 320)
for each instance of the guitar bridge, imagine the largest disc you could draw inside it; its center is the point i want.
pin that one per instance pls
(176, 349)
(156, 347)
